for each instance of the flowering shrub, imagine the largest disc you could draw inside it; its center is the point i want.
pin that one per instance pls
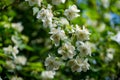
(67, 46)
(59, 40)
(59, 35)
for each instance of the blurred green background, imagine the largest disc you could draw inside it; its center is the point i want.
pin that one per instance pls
(101, 17)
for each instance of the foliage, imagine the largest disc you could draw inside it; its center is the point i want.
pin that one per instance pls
(101, 17)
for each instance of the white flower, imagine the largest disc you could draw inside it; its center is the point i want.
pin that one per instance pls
(51, 63)
(101, 27)
(46, 16)
(116, 37)
(64, 21)
(16, 40)
(35, 10)
(15, 51)
(11, 50)
(72, 12)
(20, 60)
(49, 6)
(105, 3)
(56, 23)
(84, 49)
(57, 35)
(110, 54)
(82, 34)
(109, 57)
(57, 2)
(8, 50)
(10, 65)
(75, 65)
(107, 16)
(47, 23)
(111, 50)
(60, 22)
(79, 64)
(47, 75)
(17, 26)
(34, 2)
(67, 50)
(1, 78)
(6, 25)
(91, 45)
(16, 78)
(85, 65)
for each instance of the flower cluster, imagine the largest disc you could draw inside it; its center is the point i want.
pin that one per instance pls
(16, 78)
(12, 51)
(72, 12)
(79, 64)
(69, 39)
(47, 75)
(46, 16)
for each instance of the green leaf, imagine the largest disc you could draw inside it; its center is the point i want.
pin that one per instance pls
(3, 55)
(36, 66)
(1, 69)
(24, 46)
(33, 58)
